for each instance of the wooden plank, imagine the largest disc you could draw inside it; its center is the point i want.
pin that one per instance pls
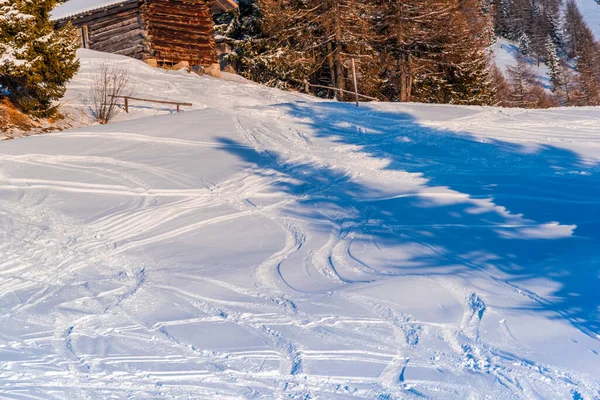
(180, 39)
(133, 20)
(129, 50)
(97, 16)
(116, 46)
(223, 6)
(187, 17)
(180, 29)
(116, 32)
(129, 36)
(172, 12)
(341, 90)
(109, 21)
(134, 51)
(182, 24)
(170, 102)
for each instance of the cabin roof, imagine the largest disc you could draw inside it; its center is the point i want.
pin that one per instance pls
(74, 8)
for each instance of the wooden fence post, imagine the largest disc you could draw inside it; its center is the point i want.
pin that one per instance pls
(355, 80)
(126, 105)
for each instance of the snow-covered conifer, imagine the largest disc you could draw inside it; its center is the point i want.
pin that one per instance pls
(524, 44)
(554, 68)
(36, 60)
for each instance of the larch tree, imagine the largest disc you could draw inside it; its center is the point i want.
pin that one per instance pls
(573, 27)
(588, 69)
(426, 61)
(460, 72)
(341, 30)
(569, 92)
(521, 79)
(502, 88)
(312, 41)
(410, 32)
(36, 61)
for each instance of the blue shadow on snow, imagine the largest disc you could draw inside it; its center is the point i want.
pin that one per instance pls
(551, 184)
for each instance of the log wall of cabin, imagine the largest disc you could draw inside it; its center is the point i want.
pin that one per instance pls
(117, 29)
(180, 30)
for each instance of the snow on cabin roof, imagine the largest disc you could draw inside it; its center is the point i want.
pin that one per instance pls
(73, 8)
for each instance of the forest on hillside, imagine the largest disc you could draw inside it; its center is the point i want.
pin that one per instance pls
(435, 51)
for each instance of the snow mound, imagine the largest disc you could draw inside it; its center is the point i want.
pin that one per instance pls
(263, 244)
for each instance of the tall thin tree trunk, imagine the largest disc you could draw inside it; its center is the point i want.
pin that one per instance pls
(339, 67)
(409, 85)
(331, 66)
(406, 79)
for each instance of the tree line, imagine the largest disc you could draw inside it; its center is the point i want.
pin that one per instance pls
(407, 50)
(435, 51)
(556, 34)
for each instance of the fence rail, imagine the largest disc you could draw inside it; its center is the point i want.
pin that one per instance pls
(344, 91)
(174, 103)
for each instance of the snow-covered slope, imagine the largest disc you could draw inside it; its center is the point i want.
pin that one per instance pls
(505, 51)
(267, 245)
(505, 55)
(590, 9)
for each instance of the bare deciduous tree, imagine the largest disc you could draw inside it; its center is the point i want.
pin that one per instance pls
(110, 84)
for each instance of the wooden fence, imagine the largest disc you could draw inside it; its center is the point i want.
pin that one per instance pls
(127, 99)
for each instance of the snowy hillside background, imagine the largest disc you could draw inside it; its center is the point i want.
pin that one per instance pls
(265, 244)
(505, 52)
(591, 13)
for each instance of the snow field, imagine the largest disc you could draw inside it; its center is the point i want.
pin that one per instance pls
(270, 245)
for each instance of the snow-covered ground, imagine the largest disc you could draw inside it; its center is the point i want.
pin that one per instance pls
(269, 245)
(505, 51)
(590, 9)
(505, 55)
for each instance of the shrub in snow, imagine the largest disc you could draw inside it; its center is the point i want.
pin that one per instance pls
(109, 86)
(36, 60)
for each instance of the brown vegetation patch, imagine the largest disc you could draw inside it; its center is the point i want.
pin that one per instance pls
(13, 122)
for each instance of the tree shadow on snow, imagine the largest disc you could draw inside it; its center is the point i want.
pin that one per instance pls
(490, 206)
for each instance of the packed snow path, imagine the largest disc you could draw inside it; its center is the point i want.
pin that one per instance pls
(267, 245)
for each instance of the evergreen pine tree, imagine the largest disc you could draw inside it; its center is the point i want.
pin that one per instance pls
(524, 44)
(36, 60)
(554, 68)
(502, 18)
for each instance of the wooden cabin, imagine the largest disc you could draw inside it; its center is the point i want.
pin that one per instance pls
(159, 32)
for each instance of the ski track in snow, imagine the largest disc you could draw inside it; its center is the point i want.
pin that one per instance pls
(238, 251)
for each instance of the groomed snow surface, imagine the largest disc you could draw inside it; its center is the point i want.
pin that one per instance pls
(269, 245)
